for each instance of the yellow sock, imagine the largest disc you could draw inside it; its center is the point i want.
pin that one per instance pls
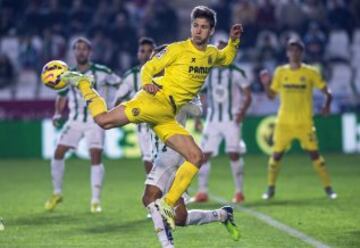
(183, 178)
(273, 171)
(320, 168)
(95, 102)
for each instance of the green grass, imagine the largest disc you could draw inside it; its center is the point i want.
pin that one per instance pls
(300, 203)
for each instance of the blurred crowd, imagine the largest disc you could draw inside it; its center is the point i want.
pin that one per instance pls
(33, 32)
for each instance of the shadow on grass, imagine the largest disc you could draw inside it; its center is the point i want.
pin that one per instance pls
(123, 227)
(46, 219)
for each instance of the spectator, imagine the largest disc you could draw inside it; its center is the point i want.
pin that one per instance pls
(29, 56)
(315, 41)
(245, 12)
(54, 46)
(290, 15)
(339, 16)
(6, 71)
(160, 21)
(314, 11)
(80, 16)
(222, 8)
(266, 15)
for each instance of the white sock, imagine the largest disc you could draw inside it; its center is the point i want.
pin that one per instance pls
(57, 174)
(164, 235)
(204, 177)
(237, 168)
(97, 175)
(200, 217)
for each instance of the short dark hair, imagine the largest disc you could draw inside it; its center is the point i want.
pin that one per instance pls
(204, 12)
(147, 41)
(83, 40)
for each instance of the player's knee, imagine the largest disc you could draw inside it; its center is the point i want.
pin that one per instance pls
(196, 157)
(234, 156)
(150, 196)
(59, 153)
(181, 217)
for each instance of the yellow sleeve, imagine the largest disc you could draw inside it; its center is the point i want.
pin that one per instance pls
(318, 80)
(276, 81)
(227, 55)
(158, 63)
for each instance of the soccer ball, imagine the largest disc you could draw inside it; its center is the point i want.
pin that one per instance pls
(51, 72)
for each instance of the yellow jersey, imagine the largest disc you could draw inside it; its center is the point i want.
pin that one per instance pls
(185, 68)
(295, 88)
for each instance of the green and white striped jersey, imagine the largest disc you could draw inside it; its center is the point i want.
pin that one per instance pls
(130, 84)
(106, 82)
(223, 90)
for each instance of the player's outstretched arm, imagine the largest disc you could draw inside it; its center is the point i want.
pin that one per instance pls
(227, 55)
(265, 79)
(328, 98)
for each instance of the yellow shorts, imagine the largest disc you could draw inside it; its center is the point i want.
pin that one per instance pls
(155, 110)
(285, 134)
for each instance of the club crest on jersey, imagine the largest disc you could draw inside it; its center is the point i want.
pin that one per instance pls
(135, 111)
(161, 53)
(193, 60)
(210, 60)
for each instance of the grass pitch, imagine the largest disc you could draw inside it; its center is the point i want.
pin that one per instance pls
(300, 203)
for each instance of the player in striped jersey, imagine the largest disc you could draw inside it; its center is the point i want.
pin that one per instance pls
(166, 163)
(81, 124)
(129, 86)
(228, 98)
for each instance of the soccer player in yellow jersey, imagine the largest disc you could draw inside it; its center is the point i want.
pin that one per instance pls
(294, 82)
(186, 65)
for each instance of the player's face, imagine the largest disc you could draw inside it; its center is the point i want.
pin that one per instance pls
(82, 53)
(144, 53)
(294, 53)
(200, 31)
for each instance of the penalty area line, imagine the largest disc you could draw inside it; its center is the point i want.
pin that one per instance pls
(274, 223)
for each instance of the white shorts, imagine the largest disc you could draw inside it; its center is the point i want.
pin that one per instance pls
(144, 140)
(215, 132)
(74, 131)
(164, 169)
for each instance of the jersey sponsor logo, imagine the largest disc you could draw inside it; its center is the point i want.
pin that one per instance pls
(291, 86)
(199, 69)
(135, 111)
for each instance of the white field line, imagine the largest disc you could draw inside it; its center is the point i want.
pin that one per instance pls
(274, 223)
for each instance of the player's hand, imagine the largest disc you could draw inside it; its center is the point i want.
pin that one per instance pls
(56, 120)
(265, 77)
(325, 111)
(151, 88)
(236, 31)
(239, 117)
